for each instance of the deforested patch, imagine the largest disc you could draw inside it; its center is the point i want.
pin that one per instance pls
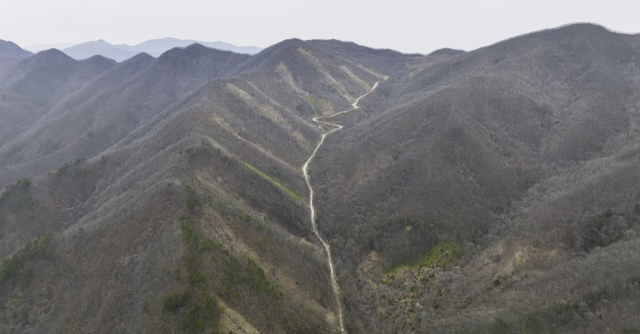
(286, 75)
(339, 87)
(365, 84)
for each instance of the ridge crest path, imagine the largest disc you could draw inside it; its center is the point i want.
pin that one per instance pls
(305, 171)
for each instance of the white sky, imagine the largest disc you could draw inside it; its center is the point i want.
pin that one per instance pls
(404, 25)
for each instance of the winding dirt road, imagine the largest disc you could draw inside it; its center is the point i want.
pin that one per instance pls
(305, 168)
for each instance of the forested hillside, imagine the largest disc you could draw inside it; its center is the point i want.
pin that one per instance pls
(487, 191)
(484, 175)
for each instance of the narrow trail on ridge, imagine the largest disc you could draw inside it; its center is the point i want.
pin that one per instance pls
(305, 168)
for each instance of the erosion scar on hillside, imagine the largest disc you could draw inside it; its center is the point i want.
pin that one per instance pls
(305, 170)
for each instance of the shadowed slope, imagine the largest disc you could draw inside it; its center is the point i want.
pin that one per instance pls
(103, 112)
(205, 194)
(467, 146)
(480, 192)
(36, 84)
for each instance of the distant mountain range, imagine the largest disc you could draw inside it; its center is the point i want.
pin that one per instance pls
(488, 191)
(121, 52)
(35, 48)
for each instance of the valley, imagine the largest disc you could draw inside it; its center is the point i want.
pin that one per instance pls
(322, 186)
(327, 248)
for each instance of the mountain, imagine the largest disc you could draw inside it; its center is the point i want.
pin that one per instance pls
(158, 46)
(42, 47)
(385, 61)
(105, 110)
(154, 47)
(177, 138)
(33, 86)
(496, 171)
(446, 51)
(488, 191)
(10, 53)
(99, 47)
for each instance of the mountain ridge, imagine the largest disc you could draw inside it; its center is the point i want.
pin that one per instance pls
(154, 47)
(485, 191)
(10, 54)
(463, 153)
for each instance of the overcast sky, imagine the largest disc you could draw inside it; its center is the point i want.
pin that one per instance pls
(404, 25)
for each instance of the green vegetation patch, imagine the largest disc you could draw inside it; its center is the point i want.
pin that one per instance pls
(212, 270)
(74, 168)
(231, 273)
(249, 274)
(63, 170)
(273, 181)
(319, 104)
(36, 249)
(304, 109)
(203, 311)
(365, 82)
(205, 150)
(443, 255)
(603, 232)
(18, 196)
(175, 301)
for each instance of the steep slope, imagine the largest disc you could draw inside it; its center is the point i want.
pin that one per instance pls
(202, 204)
(295, 68)
(472, 192)
(106, 110)
(36, 84)
(463, 163)
(10, 54)
(137, 198)
(308, 82)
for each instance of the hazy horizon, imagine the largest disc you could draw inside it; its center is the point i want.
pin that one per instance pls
(319, 186)
(378, 24)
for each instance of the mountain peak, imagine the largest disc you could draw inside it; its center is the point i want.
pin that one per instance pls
(195, 52)
(101, 43)
(285, 46)
(274, 54)
(446, 51)
(141, 56)
(291, 42)
(53, 54)
(11, 49)
(10, 54)
(585, 26)
(99, 59)
(195, 46)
